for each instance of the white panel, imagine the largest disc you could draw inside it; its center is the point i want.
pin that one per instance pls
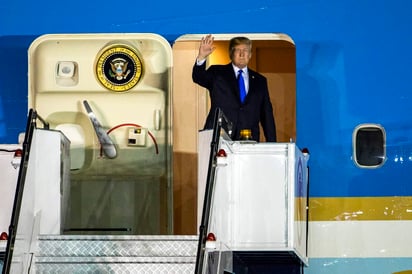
(360, 239)
(205, 137)
(8, 180)
(255, 195)
(221, 217)
(260, 187)
(46, 159)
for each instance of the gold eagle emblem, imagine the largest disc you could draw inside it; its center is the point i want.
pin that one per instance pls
(119, 68)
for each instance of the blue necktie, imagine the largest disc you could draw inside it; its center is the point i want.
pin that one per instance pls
(241, 86)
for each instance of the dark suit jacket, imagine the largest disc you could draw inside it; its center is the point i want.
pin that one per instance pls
(221, 82)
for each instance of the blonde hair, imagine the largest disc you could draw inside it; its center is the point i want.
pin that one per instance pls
(240, 40)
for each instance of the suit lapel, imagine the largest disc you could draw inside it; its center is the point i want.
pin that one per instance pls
(251, 81)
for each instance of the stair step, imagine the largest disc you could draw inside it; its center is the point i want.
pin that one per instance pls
(126, 268)
(104, 260)
(115, 254)
(117, 246)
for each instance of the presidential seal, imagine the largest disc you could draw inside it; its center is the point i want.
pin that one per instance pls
(119, 68)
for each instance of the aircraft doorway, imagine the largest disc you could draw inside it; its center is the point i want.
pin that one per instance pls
(273, 55)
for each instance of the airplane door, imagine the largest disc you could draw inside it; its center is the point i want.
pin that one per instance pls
(273, 56)
(110, 95)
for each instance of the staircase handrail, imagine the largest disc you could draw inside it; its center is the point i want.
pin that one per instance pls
(220, 121)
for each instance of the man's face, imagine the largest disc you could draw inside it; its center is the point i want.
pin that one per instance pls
(241, 55)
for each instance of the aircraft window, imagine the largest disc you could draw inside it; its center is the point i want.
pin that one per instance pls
(369, 146)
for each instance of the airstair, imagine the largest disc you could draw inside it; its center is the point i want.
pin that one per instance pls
(243, 229)
(38, 242)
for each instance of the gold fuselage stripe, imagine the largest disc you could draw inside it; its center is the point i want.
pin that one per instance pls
(360, 208)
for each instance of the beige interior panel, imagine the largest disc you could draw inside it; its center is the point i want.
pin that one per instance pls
(188, 105)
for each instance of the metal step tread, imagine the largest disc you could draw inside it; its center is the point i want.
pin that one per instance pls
(116, 246)
(115, 268)
(140, 260)
(120, 237)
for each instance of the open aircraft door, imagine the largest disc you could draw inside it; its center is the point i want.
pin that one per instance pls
(110, 95)
(273, 55)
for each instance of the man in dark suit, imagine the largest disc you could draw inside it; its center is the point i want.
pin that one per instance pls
(222, 83)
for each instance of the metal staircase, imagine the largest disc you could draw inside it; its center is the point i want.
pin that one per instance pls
(36, 246)
(31, 250)
(115, 254)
